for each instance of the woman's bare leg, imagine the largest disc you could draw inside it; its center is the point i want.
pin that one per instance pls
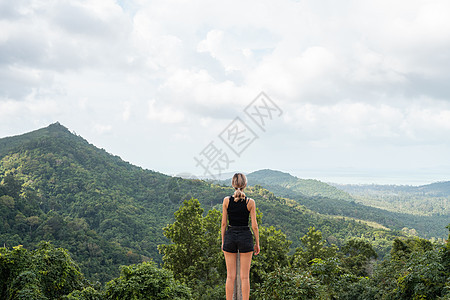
(246, 260)
(230, 260)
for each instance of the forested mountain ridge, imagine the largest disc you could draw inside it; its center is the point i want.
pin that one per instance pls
(55, 186)
(338, 201)
(83, 199)
(306, 187)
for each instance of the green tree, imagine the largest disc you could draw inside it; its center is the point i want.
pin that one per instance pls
(358, 255)
(7, 201)
(403, 248)
(60, 274)
(184, 256)
(313, 247)
(213, 260)
(446, 263)
(326, 270)
(274, 253)
(87, 293)
(423, 277)
(46, 272)
(144, 282)
(195, 256)
(286, 283)
(11, 186)
(415, 270)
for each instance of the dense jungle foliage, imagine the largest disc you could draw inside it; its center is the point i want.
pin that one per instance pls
(100, 213)
(194, 268)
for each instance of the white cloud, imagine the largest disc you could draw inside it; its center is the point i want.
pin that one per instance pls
(313, 73)
(364, 123)
(220, 48)
(102, 128)
(126, 111)
(164, 114)
(18, 117)
(375, 68)
(363, 73)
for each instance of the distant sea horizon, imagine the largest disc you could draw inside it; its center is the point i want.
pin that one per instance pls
(379, 177)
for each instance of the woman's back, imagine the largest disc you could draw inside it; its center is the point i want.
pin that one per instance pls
(237, 212)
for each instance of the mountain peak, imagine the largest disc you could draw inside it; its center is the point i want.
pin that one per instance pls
(57, 127)
(54, 130)
(270, 174)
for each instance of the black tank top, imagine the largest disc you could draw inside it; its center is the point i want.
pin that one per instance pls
(238, 212)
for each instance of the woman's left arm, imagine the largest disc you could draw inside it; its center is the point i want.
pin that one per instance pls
(254, 225)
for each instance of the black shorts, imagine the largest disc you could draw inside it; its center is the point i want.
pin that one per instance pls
(238, 239)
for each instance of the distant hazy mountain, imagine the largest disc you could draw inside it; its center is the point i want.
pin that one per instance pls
(352, 201)
(307, 187)
(436, 189)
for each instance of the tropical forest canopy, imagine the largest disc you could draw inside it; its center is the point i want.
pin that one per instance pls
(62, 197)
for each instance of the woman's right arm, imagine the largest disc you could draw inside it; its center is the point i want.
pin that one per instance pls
(224, 217)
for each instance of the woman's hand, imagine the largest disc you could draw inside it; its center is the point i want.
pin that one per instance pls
(256, 251)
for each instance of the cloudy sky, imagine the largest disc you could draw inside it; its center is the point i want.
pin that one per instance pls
(357, 91)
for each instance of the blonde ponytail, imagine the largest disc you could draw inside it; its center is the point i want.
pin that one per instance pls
(239, 182)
